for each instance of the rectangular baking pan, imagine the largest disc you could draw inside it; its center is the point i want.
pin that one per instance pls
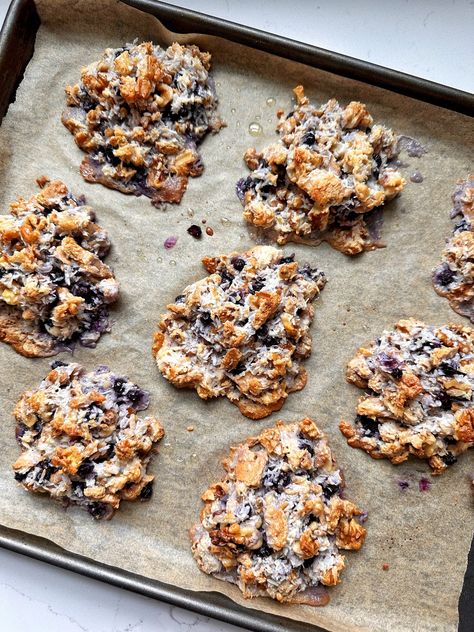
(17, 39)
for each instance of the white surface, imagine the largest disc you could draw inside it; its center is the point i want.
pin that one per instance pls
(428, 39)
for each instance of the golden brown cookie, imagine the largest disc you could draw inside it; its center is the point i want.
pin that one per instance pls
(82, 441)
(54, 287)
(276, 523)
(453, 278)
(419, 382)
(323, 178)
(242, 331)
(139, 113)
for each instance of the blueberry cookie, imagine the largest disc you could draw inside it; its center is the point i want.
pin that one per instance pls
(54, 285)
(242, 331)
(454, 277)
(82, 441)
(139, 113)
(419, 382)
(275, 524)
(320, 181)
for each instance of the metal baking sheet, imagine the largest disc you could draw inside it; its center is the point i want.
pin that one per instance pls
(22, 20)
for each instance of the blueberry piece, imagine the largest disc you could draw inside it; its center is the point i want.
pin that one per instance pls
(450, 440)
(449, 458)
(85, 469)
(449, 367)
(226, 277)
(205, 318)
(288, 259)
(147, 491)
(57, 363)
(20, 477)
(19, 431)
(238, 263)
(444, 275)
(97, 510)
(378, 163)
(370, 426)
(118, 385)
(257, 285)
(329, 490)
(244, 185)
(179, 299)
(266, 188)
(388, 363)
(284, 479)
(270, 341)
(308, 562)
(308, 138)
(134, 394)
(195, 231)
(236, 298)
(110, 156)
(240, 368)
(107, 455)
(264, 551)
(305, 444)
(446, 400)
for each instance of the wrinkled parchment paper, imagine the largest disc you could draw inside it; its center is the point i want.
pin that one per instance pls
(423, 537)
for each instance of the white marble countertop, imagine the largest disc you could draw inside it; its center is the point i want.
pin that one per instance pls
(428, 39)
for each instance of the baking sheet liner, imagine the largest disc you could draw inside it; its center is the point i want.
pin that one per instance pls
(423, 537)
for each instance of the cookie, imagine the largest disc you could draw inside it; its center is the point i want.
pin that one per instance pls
(322, 180)
(54, 286)
(419, 382)
(243, 331)
(82, 441)
(277, 521)
(453, 278)
(139, 113)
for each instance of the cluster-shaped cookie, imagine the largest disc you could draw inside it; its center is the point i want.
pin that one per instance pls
(54, 285)
(275, 524)
(329, 169)
(139, 113)
(419, 400)
(82, 441)
(453, 278)
(242, 331)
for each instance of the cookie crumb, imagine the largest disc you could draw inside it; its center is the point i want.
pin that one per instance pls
(190, 428)
(209, 231)
(385, 567)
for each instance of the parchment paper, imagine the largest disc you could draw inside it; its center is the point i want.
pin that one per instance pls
(424, 537)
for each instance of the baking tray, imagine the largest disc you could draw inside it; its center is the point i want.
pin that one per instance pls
(16, 48)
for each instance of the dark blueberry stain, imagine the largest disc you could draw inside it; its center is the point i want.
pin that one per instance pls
(147, 491)
(195, 231)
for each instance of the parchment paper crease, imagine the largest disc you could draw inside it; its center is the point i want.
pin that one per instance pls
(424, 537)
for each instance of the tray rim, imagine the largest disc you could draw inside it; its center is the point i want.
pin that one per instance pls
(215, 604)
